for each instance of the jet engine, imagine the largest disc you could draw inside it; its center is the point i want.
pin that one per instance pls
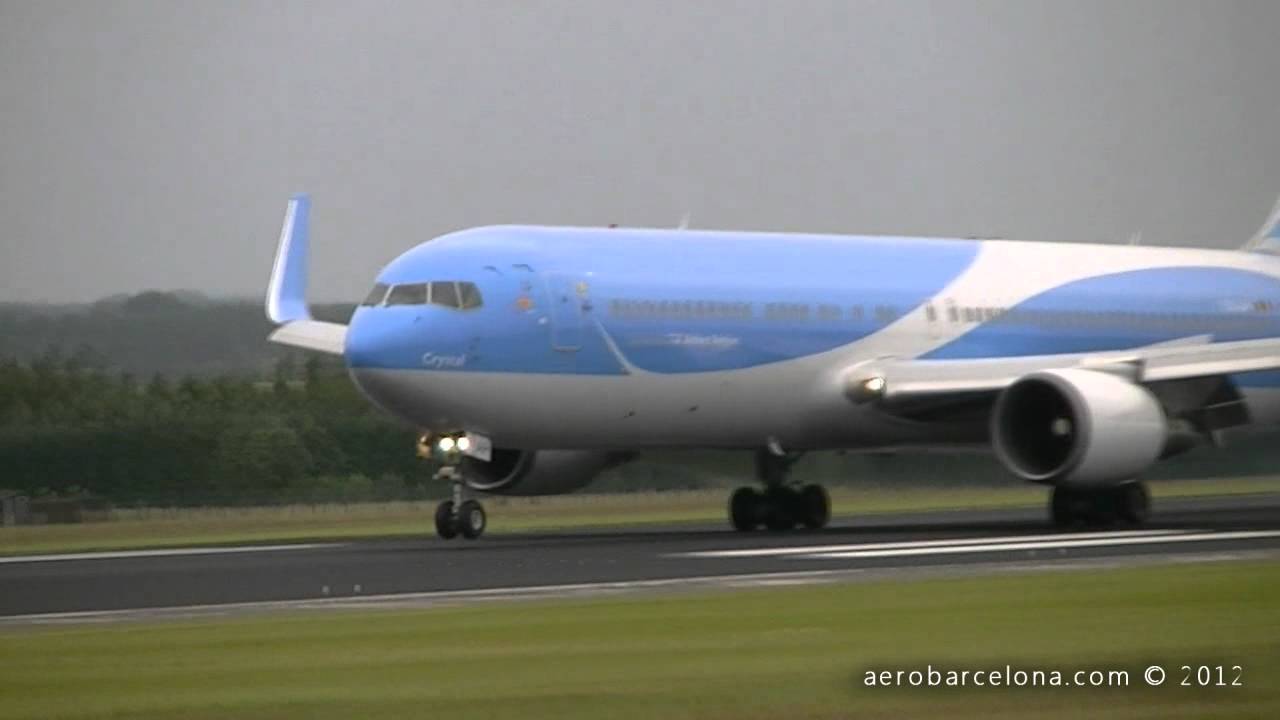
(538, 472)
(1077, 427)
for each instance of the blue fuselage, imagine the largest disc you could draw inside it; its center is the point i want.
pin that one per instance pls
(691, 316)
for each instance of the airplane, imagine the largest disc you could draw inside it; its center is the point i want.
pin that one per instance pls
(533, 358)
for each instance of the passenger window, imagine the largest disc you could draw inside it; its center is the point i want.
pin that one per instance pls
(408, 295)
(376, 296)
(470, 295)
(444, 293)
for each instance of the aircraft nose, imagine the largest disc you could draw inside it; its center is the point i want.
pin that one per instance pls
(375, 342)
(378, 345)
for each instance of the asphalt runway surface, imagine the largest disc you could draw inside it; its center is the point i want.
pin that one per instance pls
(410, 573)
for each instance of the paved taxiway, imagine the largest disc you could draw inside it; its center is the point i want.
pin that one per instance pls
(100, 585)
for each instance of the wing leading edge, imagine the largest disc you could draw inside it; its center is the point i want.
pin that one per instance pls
(325, 337)
(892, 381)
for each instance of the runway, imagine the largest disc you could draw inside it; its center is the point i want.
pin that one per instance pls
(202, 581)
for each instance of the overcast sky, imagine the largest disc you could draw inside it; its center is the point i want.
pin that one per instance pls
(154, 144)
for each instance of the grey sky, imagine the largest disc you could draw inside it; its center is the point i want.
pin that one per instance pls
(154, 144)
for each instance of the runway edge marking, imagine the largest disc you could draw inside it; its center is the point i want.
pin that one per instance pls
(947, 542)
(162, 552)
(1049, 545)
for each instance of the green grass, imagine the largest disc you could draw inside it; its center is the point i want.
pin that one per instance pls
(794, 653)
(296, 523)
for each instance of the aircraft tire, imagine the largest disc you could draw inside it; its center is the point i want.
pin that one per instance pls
(471, 519)
(1133, 502)
(446, 523)
(779, 508)
(1100, 507)
(1064, 506)
(744, 509)
(813, 506)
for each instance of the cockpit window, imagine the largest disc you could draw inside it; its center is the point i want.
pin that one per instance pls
(457, 295)
(445, 293)
(408, 295)
(469, 295)
(376, 296)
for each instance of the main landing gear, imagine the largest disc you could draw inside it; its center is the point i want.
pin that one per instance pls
(459, 515)
(780, 506)
(1127, 503)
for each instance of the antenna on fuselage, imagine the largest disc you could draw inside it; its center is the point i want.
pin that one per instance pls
(684, 220)
(1135, 238)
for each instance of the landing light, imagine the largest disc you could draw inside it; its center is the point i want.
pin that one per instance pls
(464, 443)
(867, 389)
(446, 444)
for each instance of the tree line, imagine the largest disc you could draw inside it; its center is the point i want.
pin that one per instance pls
(301, 435)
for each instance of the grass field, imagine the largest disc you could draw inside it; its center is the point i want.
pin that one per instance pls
(796, 653)
(158, 527)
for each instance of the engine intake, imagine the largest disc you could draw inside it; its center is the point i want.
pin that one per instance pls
(1077, 427)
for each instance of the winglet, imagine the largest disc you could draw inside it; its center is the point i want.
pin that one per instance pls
(1267, 239)
(287, 292)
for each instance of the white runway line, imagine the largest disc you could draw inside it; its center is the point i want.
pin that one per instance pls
(1048, 544)
(826, 549)
(120, 554)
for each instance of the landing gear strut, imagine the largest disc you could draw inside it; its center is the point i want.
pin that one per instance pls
(1127, 503)
(458, 515)
(780, 506)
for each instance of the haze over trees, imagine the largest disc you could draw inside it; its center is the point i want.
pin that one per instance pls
(172, 333)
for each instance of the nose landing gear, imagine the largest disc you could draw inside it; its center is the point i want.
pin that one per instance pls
(459, 515)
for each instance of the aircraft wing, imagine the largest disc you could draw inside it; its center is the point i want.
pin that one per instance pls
(286, 294)
(904, 381)
(325, 337)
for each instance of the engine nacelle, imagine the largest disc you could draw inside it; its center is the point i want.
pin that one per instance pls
(538, 472)
(1077, 427)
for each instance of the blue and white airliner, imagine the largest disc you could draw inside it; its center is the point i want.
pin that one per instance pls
(533, 358)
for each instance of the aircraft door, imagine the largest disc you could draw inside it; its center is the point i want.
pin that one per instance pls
(567, 297)
(933, 319)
